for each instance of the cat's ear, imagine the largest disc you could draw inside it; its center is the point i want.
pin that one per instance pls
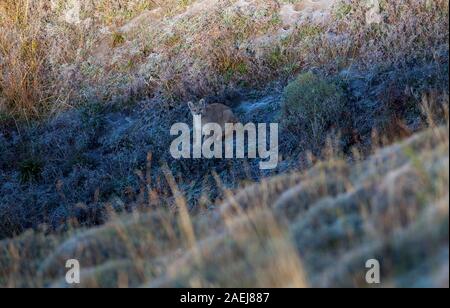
(202, 103)
(191, 105)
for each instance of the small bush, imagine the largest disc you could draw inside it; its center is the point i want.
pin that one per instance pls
(117, 39)
(311, 104)
(30, 170)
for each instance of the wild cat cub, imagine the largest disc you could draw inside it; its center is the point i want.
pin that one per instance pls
(213, 113)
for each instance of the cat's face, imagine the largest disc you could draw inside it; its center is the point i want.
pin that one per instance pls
(197, 108)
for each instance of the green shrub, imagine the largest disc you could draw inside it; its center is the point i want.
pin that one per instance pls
(30, 170)
(311, 105)
(117, 39)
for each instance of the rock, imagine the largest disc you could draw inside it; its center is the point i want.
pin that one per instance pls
(72, 15)
(316, 11)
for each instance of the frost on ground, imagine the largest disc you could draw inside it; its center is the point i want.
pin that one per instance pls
(315, 228)
(90, 89)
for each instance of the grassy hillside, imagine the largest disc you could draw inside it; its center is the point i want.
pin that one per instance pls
(59, 54)
(311, 228)
(90, 89)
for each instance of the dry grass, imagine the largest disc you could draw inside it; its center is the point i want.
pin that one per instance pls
(24, 83)
(42, 45)
(56, 55)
